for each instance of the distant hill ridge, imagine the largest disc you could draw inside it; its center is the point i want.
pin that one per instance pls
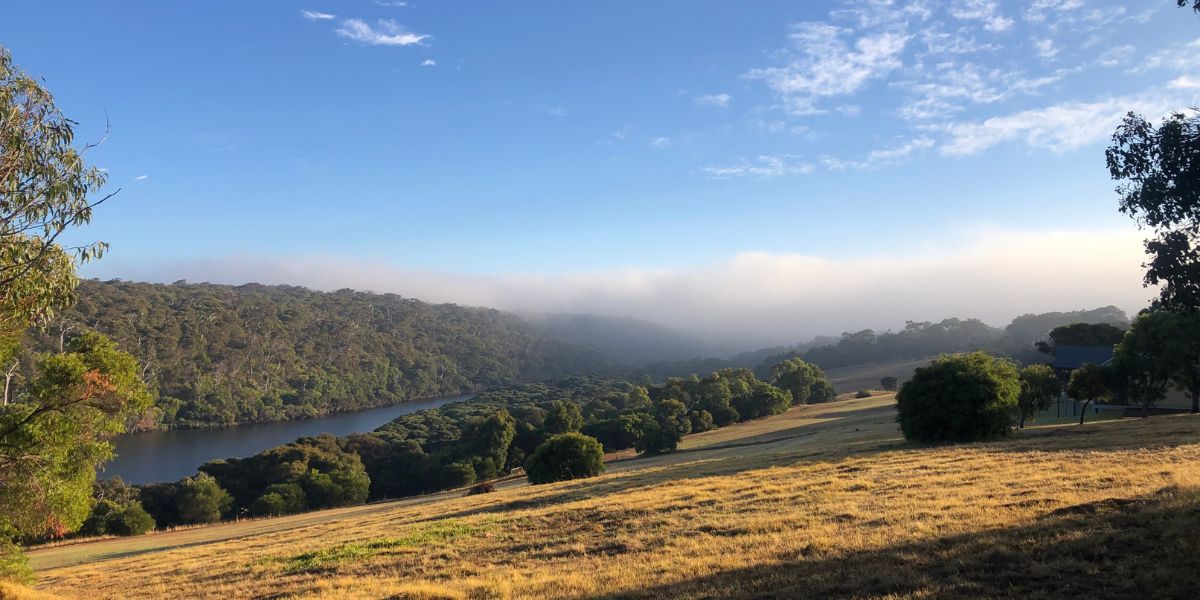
(222, 355)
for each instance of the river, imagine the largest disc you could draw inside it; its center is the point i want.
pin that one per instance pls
(154, 456)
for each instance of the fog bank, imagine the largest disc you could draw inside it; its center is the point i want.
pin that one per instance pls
(753, 298)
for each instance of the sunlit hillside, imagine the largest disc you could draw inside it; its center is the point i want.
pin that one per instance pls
(822, 501)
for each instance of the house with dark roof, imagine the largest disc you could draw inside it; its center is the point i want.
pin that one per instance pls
(1069, 358)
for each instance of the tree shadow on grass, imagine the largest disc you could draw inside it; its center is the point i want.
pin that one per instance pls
(1144, 547)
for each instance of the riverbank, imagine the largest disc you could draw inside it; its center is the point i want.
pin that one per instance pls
(154, 456)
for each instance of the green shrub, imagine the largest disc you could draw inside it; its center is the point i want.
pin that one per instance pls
(130, 520)
(862, 394)
(13, 564)
(959, 399)
(565, 456)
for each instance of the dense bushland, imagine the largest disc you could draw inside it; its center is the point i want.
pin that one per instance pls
(489, 436)
(220, 355)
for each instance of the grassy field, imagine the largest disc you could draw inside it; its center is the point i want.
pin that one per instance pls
(819, 502)
(866, 377)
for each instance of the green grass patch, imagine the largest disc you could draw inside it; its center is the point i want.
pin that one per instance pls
(328, 558)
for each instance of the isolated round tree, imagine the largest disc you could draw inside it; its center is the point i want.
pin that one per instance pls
(565, 456)
(959, 399)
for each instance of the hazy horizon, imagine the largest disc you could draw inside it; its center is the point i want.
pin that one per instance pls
(747, 177)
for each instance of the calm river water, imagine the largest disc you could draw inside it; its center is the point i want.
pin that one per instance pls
(171, 455)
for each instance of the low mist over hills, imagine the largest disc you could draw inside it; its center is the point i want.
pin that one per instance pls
(219, 354)
(624, 340)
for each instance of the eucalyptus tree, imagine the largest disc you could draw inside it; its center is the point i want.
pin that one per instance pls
(55, 423)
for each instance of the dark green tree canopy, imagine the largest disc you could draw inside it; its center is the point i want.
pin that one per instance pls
(1039, 387)
(1158, 170)
(565, 456)
(1082, 334)
(960, 398)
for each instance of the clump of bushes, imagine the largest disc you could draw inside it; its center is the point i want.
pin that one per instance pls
(960, 398)
(862, 394)
(565, 456)
(117, 510)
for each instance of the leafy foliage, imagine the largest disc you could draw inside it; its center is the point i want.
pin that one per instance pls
(1159, 173)
(1081, 334)
(56, 431)
(565, 456)
(960, 398)
(221, 355)
(1039, 387)
(117, 510)
(57, 409)
(806, 382)
(1161, 349)
(311, 473)
(1090, 382)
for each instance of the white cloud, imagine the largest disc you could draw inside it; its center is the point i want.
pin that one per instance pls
(985, 11)
(820, 63)
(1057, 128)
(1039, 8)
(1185, 82)
(765, 166)
(882, 156)
(942, 90)
(429, 62)
(951, 43)
(141, 177)
(388, 33)
(763, 298)
(1116, 55)
(660, 142)
(1045, 48)
(1178, 57)
(313, 15)
(719, 100)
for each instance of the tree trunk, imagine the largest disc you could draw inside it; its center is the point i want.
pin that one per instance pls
(1083, 412)
(8, 377)
(1022, 425)
(1195, 400)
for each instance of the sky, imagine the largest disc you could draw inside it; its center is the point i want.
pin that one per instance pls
(759, 172)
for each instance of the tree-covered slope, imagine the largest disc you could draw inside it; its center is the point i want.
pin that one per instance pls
(218, 354)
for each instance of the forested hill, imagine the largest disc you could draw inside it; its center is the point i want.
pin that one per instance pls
(218, 354)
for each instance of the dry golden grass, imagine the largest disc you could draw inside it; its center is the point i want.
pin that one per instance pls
(1103, 510)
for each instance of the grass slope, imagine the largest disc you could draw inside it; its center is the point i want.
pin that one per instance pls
(866, 377)
(831, 504)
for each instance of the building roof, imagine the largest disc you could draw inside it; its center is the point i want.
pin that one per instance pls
(1073, 357)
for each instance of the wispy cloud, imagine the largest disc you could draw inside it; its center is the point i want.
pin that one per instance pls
(141, 177)
(313, 15)
(1116, 56)
(429, 62)
(659, 142)
(1045, 48)
(1059, 127)
(826, 61)
(882, 157)
(766, 166)
(386, 33)
(985, 11)
(1185, 82)
(719, 100)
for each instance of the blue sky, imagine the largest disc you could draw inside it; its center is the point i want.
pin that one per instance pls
(607, 156)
